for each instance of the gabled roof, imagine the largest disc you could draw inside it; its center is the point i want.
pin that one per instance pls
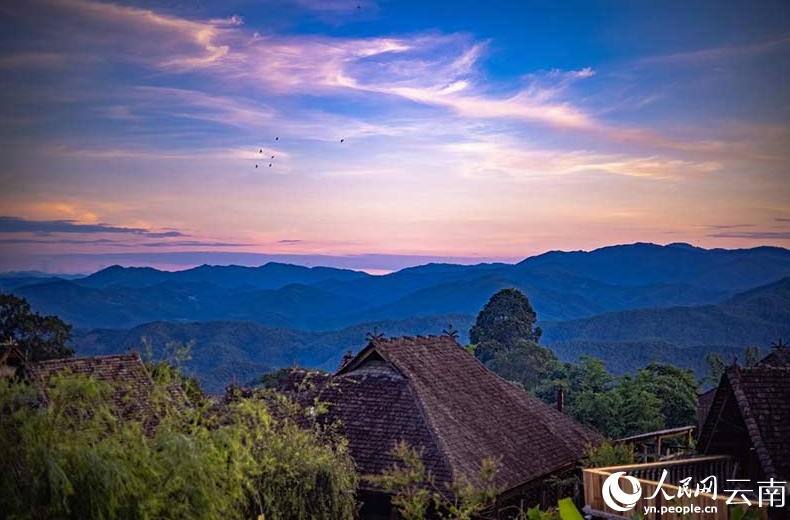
(132, 387)
(11, 355)
(432, 393)
(778, 357)
(762, 396)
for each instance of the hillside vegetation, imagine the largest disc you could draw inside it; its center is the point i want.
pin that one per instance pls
(624, 304)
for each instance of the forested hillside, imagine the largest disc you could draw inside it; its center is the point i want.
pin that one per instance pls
(623, 304)
(562, 286)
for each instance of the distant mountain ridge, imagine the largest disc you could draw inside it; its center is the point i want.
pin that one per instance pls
(625, 340)
(271, 275)
(626, 304)
(561, 286)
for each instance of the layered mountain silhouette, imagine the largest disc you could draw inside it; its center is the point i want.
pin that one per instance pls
(626, 304)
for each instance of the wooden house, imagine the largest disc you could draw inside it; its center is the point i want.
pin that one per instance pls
(749, 418)
(434, 395)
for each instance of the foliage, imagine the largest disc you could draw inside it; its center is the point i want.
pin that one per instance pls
(168, 369)
(37, 337)
(568, 510)
(415, 492)
(658, 396)
(715, 364)
(608, 454)
(507, 318)
(73, 457)
(527, 364)
(675, 389)
(272, 379)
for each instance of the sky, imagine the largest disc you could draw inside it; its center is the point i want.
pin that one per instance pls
(142, 133)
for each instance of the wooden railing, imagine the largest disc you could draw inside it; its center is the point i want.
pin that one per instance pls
(649, 476)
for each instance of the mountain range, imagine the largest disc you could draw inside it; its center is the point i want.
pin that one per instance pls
(627, 304)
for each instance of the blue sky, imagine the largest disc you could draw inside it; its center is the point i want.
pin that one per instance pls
(470, 131)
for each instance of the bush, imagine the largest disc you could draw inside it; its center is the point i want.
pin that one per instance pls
(73, 457)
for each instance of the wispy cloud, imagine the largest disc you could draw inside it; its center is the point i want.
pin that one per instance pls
(10, 224)
(716, 227)
(431, 69)
(718, 53)
(755, 235)
(45, 60)
(124, 244)
(196, 243)
(506, 157)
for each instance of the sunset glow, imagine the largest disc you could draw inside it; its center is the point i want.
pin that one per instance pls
(401, 132)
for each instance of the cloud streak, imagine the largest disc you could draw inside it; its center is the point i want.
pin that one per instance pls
(755, 235)
(10, 224)
(503, 156)
(430, 69)
(718, 53)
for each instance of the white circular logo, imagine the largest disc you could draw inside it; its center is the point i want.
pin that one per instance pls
(615, 497)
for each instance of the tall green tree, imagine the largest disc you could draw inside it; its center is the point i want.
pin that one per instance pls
(506, 319)
(37, 337)
(675, 389)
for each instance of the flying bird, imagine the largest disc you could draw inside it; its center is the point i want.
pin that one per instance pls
(260, 151)
(276, 138)
(256, 165)
(270, 165)
(342, 140)
(272, 157)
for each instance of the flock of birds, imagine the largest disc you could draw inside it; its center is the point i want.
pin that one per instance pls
(260, 152)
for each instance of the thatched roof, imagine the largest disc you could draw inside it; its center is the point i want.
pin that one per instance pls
(132, 387)
(432, 393)
(760, 397)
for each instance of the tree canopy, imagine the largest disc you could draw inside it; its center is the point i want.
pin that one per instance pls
(657, 396)
(506, 319)
(37, 337)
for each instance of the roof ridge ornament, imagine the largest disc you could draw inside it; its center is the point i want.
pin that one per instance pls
(375, 335)
(450, 331)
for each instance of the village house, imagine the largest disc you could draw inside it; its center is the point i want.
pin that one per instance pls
(433, 394)
(749, 420)
(743, 440)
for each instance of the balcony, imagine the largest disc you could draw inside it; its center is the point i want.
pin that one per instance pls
(649, 475)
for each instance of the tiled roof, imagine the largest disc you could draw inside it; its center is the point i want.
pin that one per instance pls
(778, 357)
(132, 387)
(763, 396)
(432, 393)
(760, 394)
(705, 401)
